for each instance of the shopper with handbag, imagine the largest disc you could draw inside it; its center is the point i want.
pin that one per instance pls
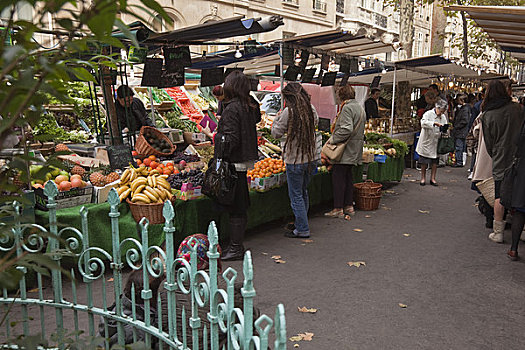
(344, 150)
(460, 130)
(297, 123)
(501, 120)
(432, 124)
(236, 143)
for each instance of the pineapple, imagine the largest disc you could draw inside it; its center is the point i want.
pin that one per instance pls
(61, 147)
(98, 179)
(78, 170)
(17, 181)
(111, 177)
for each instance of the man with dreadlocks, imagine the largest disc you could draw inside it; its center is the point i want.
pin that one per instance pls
(296, 126)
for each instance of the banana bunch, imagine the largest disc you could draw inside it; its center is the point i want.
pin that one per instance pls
(144, 187)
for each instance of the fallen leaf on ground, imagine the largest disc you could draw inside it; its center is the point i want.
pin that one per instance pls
(448, 171)
(387, 208)
(407, 175)
(403, 306)
(305, 309)
(308, 240)
(356, 263)
(358, 230)
(279, 261)
(110, 279)
(34, 290)
(264, 253)
(444, 187)
(276, 256)
(413, 180)
(296, 338)
(424, 211)
(368, 216)
(307, 336)
(406, 234)
(389, 191)
(453, 180)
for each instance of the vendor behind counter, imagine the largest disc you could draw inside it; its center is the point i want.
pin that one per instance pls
(137, 117)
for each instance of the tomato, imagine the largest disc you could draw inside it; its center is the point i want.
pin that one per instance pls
(154, 165)
(153, 158)
(134, 153)
(147, 162)
(168, 164)
(139, 162)
(166, 172)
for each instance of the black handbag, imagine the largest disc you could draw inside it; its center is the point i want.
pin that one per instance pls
(445, 144)
(220, 179)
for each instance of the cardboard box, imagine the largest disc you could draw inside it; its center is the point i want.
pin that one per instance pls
(65, 199)
(100, 194)
(264, 184)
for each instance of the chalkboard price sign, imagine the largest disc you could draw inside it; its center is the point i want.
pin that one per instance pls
(250, 47)
(212, 76)
(329, 79)
(308, 75)
(176, 57)
(120, 156)
(344, 66)
(376, 81)
(170, 79)
(152, 72)
(291, 73)
(231, 70)
(344, 81)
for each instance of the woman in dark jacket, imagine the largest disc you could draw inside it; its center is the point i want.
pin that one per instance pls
(236, 142)
(501, 121)
(460, 131)
(517, 200)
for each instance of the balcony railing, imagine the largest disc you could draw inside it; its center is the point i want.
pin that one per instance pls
(319, 5)
(293, 2)
(381, 21)
(340, 6)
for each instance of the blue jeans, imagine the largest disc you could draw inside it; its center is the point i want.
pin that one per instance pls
(298, 177)
(460, 148)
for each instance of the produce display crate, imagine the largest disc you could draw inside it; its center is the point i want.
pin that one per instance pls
(100, 194)
(152, 212)
(368, 157)
(264, 184)
(65, 199)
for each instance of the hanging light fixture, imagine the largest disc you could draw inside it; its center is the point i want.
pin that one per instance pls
(238, 53)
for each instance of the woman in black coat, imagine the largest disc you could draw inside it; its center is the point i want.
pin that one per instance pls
(516, 199)
(236, 142)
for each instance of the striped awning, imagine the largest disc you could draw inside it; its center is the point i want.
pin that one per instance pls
(504, 24)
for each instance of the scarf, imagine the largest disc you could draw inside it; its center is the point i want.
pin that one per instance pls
(332, 127)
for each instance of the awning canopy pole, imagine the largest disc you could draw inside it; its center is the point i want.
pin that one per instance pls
(281, 46)
(393, 103)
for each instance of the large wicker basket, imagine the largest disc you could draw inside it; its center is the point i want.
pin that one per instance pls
(152, 212)
(143, 147)
(367, 195)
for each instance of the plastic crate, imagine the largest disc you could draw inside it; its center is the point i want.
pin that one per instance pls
(380, 158)
(65, 199)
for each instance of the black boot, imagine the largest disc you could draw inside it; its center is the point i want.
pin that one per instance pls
(236, 249)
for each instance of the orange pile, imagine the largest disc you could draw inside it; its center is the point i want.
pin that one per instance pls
(152, 162)
(266, 168)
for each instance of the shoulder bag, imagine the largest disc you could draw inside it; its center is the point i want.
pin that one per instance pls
(220, 179)
(334, 151)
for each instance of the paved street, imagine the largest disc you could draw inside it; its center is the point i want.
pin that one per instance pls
(425, 248)
(460, 290)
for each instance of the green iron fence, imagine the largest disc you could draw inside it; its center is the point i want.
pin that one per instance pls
(235, 325)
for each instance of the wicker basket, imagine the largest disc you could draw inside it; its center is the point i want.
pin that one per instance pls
(369, 202)
(368, 187)
(143, 147)
(152, 212)
(486, 187)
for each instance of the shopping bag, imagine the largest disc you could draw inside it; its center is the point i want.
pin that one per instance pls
(445, 145)
(220, 179)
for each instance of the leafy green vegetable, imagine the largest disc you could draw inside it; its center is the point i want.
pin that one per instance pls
(401, 148)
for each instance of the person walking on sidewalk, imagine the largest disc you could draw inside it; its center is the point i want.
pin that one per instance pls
(297, 123)
(349, 127)
(501, 120)
(432, 124)
(237, 128)
(517, 198)
(460, 129)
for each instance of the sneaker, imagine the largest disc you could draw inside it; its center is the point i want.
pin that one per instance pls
(296, 235)
(469, 177)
